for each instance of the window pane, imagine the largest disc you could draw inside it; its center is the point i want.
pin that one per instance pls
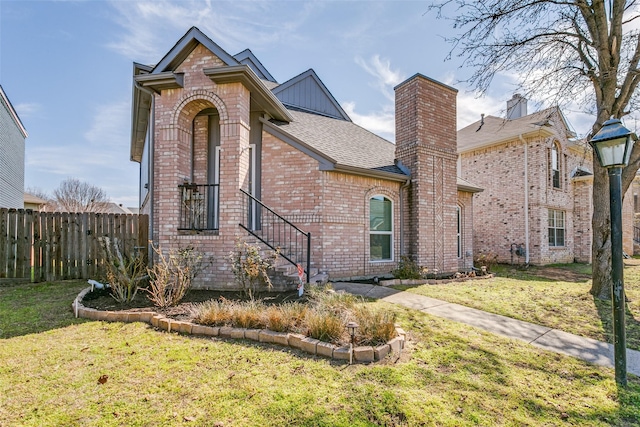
(380, 246)
(380, 214)
(559, 237)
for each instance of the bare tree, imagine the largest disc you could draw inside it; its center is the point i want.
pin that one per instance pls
(74, 195)
(579, 51)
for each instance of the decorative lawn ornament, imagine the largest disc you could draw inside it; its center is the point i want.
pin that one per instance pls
(301, 281)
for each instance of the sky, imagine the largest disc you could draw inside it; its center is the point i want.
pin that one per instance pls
(67, 65)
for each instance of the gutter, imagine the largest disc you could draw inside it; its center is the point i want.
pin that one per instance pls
(401, 200)
(526, 200)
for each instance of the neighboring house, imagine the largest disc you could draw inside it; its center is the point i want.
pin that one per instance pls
(34, 203)
(537, 178)
(116, 208)
(221, 145)
(12, 147)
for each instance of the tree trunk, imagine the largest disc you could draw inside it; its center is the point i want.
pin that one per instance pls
(601, 226)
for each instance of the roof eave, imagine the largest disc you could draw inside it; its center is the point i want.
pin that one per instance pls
(259, 92)
(140, 111)
(469, 189)
(160, 81)
(14, 114)
(541, 132)
(371, 173)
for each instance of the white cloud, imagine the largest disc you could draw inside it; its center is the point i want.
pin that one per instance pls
(26, 109)
(381, 123)
(471, 106)
(102, 159)
(151, 27)
(385, 78)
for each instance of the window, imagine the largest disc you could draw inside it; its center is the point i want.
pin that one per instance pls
(380, 229)
(556, 228)
(555, 166)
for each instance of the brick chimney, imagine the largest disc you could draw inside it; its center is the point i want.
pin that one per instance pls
(426, 143)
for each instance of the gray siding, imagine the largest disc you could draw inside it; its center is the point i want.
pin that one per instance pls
(308, 95)
(11, 160)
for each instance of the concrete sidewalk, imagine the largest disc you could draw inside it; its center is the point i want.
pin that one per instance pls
(596, 352)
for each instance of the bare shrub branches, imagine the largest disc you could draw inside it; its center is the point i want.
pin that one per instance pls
(172, 275)
(124, 273)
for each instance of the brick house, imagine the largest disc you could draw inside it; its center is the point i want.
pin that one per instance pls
(537, 178)
(225, 152)
(12, 146)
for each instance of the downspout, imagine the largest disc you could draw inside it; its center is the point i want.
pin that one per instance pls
(405, 185)
(526, 200)
(151, 158)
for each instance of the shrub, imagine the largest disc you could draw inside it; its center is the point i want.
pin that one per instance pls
(276, 319)
(249, 267)
(213, 312)
(124, 273)
(172, 275)
(375, 327)
(486, 259)
(326, 299)
(325, 326)
(248, 314)
(407, 269)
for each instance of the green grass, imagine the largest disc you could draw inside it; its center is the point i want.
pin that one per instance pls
(450, 375)
(36, 307)
(548, 301)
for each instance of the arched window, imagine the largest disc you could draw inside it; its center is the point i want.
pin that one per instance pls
(555, 165)
(380, 229)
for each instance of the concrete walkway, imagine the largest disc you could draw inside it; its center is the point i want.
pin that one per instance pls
(596, 352)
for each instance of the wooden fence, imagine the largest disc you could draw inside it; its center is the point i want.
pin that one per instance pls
(46, 246)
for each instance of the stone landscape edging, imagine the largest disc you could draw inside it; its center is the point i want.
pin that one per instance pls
(413, 282)
(361, 354)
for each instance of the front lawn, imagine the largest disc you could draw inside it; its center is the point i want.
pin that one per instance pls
(450, 375)
(554, 296)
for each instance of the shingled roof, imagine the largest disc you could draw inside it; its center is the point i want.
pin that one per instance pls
(495, 130)
(339, 143)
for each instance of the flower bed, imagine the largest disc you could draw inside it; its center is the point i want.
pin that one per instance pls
(295, 340)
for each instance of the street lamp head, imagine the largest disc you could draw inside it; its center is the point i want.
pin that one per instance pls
(613, 144)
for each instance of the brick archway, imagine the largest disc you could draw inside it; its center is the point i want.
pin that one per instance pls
(192, 103)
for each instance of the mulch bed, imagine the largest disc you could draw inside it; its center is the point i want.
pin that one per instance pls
(101, 299)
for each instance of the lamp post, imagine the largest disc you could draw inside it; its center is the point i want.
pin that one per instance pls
(351, 327)
(613, 144)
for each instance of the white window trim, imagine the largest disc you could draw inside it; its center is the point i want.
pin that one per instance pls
(389, 233)
(555, 227)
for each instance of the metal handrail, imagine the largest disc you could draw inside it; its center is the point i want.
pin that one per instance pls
(199, 207)
(275, 231)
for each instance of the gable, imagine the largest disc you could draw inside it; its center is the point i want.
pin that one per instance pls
(185, 46)
(246, 57)
(306, 92)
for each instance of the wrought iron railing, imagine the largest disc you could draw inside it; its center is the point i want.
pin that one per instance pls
(199, 207)
(276, 232)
